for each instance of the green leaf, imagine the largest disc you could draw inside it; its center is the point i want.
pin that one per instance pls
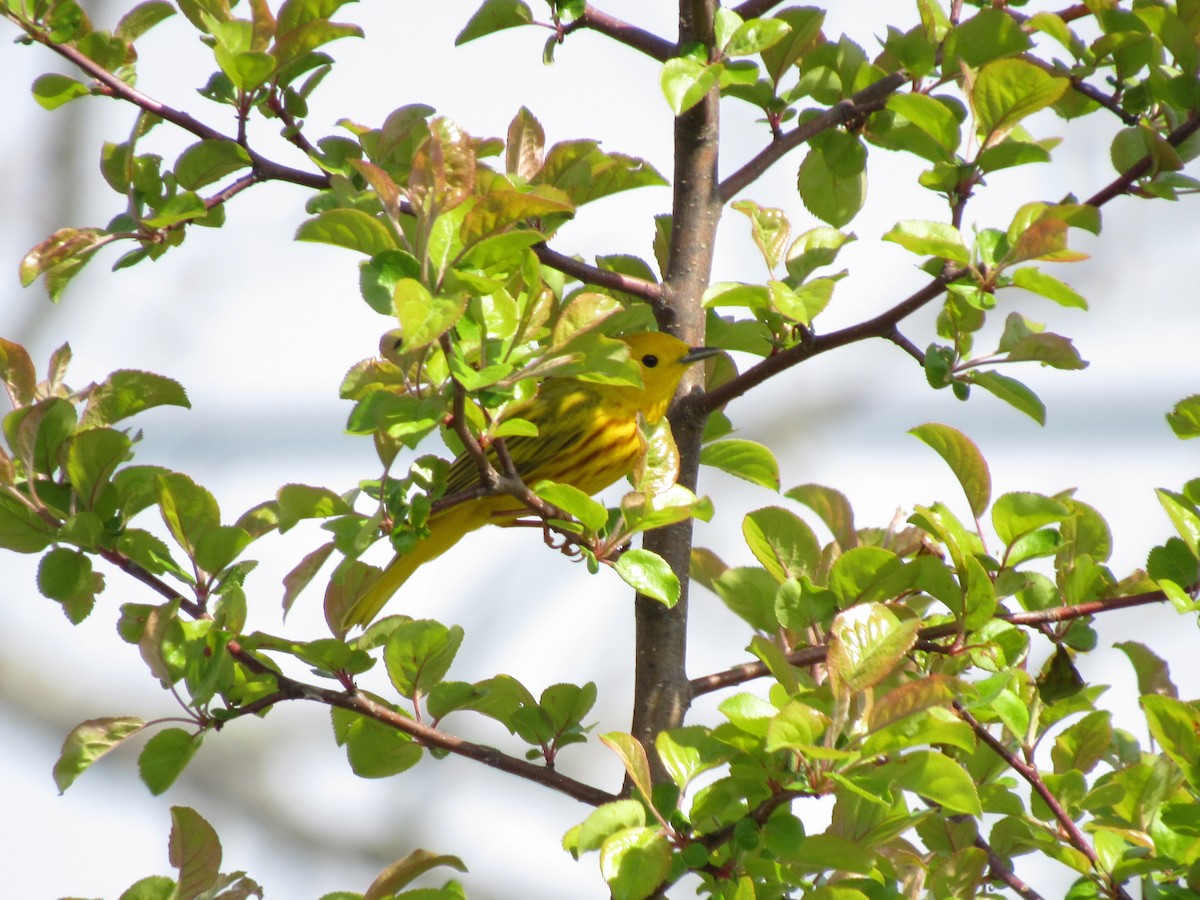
(498, 210)
(964, 459)
(689, 751)
(989, 34)
(870, 574)
(935, 777)
(834, 198)
(209, 160)
(64, 575)
(377, 278)
(423, 317)
(183, 207)
(832, 507)
(804, 33)
(1184, 516)
(1083, 744)
(867, 642)
(1017, 514)
(63, 252)
(1175, 725)
(686, 81)
(419, 653)
(53, 90)
(770, 228)
(1006, 91)
(92, 457)
(782, 542)
(403, 872)
(189, 510)
(574, 502)
(165, 756)
(754, 36)
(493, 16)
(649, 574)
(90, 740)
(633, 756)
(1153, 674)
(127, 392)
(195, 850)
(930, 116)
(1038, 282)
(1012, 392)
(747, 460)
(349, 228)
(301, 501)
(1184, 419)
(605, 821)
(815, 248)
(142, 18)
(375, 750)
(927, 238)
(635, 862)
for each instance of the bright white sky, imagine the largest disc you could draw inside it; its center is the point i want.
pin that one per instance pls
(260, 331)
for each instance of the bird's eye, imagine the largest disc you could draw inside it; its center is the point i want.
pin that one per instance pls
(649, 360)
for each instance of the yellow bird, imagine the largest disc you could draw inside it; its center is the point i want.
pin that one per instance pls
(587, 437)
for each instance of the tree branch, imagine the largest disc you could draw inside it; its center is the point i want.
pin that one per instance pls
(647, 290)
(883, 325)
(1143, 166)
(868, 100)
(1001, 870)
(623, 33)
(290, 689)
(112, 86)
(1034, 779)
(809, 656)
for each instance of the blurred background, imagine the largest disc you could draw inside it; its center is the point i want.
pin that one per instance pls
(260, 330)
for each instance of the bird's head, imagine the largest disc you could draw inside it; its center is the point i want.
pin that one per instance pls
(662, 359)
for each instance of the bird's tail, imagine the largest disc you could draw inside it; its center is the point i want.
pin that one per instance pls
(445, 530)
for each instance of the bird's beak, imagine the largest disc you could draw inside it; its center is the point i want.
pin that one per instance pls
(695, 354)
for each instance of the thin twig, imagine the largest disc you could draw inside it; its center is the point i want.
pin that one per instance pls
(647, 290)
(290, 689)
(1142, 167)
(1001, 870)
(112, 86)
(882, 325)
(869, 99)
(1033, 778)
(754, 9)
(808, 656)
(623, 33)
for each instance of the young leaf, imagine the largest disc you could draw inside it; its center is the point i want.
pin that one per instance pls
(90, 740)
(930, 239)
(127, 392)
(867, 642)
(747, 460)
(782, 542)
(493, 16)
(964, 459)
(165, 756)
(686, 81)
(419, 653)
(195, 850)
(649, 574)
(1012, 392)
(403, 872)
(1184, 419)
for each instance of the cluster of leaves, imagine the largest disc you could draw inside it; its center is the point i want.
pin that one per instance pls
(903, 687)
(268, 65)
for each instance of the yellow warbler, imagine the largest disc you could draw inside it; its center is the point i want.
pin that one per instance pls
(587, 437)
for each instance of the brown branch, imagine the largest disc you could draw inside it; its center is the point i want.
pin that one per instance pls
(754, 9)
(112, 86)
(809, 656)
(1001, 870)
(1034, 779)
(622, 32)
(290, 689)
(883, 325)
(1143, 166)
(868, 100)
(647, 290)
